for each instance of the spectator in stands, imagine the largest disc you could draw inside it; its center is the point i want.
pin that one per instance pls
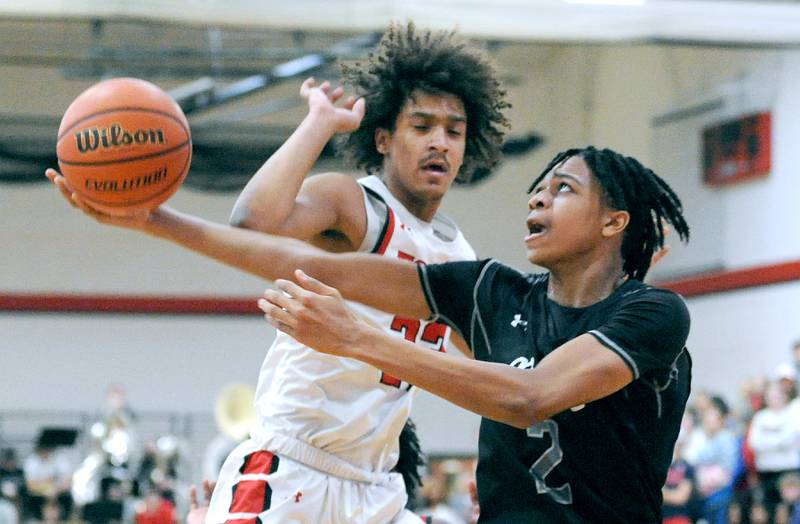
(48, 478)
(679, 488)
(775, 440)
(789, 509)
(156, 509)
(12, 479)
(752, 397)
(716, 462)
(786, 375)
(434, 494)
(8, 511)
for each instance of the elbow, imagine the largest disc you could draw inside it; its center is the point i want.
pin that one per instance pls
(523, 410)
(248, 216)
(243, 217)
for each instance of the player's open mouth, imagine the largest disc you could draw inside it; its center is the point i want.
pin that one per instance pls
(535, 229)
(436, 166)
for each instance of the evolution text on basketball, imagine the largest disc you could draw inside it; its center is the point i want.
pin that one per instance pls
(126, 184)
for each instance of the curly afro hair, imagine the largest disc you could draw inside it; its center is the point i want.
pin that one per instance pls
(433, 62)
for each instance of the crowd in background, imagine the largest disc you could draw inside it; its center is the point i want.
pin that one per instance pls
(119, 480)
(736, 461)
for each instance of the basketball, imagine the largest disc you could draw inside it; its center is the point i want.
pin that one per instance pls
(124, 145)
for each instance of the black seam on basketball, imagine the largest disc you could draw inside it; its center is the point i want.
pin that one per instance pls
(178, 179)
(123, 109)
(126, 160)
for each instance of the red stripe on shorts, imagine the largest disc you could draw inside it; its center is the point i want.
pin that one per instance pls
(259, 462)
(254, 496)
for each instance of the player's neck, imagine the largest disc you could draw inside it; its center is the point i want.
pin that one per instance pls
(581, 284)
(424, 208)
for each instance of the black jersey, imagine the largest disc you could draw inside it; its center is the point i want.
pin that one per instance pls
(604, 462)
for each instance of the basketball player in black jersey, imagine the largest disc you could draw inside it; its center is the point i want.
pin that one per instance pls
(580, 374)
(584, 376)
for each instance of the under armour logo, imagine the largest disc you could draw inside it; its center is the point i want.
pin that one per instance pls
(518, 321)
(298, 496)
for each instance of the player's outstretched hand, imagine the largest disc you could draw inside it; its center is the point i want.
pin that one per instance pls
(322, 99)
(312, 313)
(198, 509)
(665, 249)
(134, 220)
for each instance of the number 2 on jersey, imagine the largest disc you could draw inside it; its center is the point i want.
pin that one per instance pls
(548, 461)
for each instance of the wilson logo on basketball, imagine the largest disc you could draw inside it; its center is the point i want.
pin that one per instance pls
(88, 140)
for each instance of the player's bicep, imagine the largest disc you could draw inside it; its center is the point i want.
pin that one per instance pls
(385, 283)
(580, 371)
(327, 204)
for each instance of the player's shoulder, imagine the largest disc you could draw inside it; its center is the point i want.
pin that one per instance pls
(497, 274)
(339, 190)
(635, 290)
(636, 294)
(332, 182)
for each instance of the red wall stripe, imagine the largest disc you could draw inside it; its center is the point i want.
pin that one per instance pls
(722, 281)
(696, 285)
(128, 304)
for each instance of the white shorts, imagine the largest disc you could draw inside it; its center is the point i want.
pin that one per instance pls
(256, 486)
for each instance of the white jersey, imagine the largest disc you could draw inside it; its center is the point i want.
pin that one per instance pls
(345, 409)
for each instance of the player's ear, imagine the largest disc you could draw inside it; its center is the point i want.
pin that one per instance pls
(382, 137)
(615, 222)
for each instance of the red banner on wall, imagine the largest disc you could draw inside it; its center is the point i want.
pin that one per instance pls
(738, 150)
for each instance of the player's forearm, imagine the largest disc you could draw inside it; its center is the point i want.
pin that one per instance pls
(266, 256)
(269, 196)
(492, 390)
(381, 282)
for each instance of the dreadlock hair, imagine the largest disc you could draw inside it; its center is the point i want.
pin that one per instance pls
(629, 186)
(410, 458)
(435, 63)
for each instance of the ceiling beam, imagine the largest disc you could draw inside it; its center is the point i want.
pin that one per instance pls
(700, 22)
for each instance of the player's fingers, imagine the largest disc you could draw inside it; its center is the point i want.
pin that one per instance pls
(277, 324)
(293, 290)
(306, 86)
(336, 94)
(349, 101)
(277, 316)
(660, 254)
(81, 204)
(208, 488)
(360, 107)
(278, 299)
(325, 87)
(193, 497)
(61, 183)
(312, 284)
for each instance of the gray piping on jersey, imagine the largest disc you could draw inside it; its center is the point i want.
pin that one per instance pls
(618, 350)
(435, 315)
(426, 288)
(673, 376)
(476, 314)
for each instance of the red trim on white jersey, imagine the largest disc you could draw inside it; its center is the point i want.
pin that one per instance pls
(387, 234)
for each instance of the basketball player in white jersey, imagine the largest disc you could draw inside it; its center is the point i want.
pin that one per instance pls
(429, 113)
